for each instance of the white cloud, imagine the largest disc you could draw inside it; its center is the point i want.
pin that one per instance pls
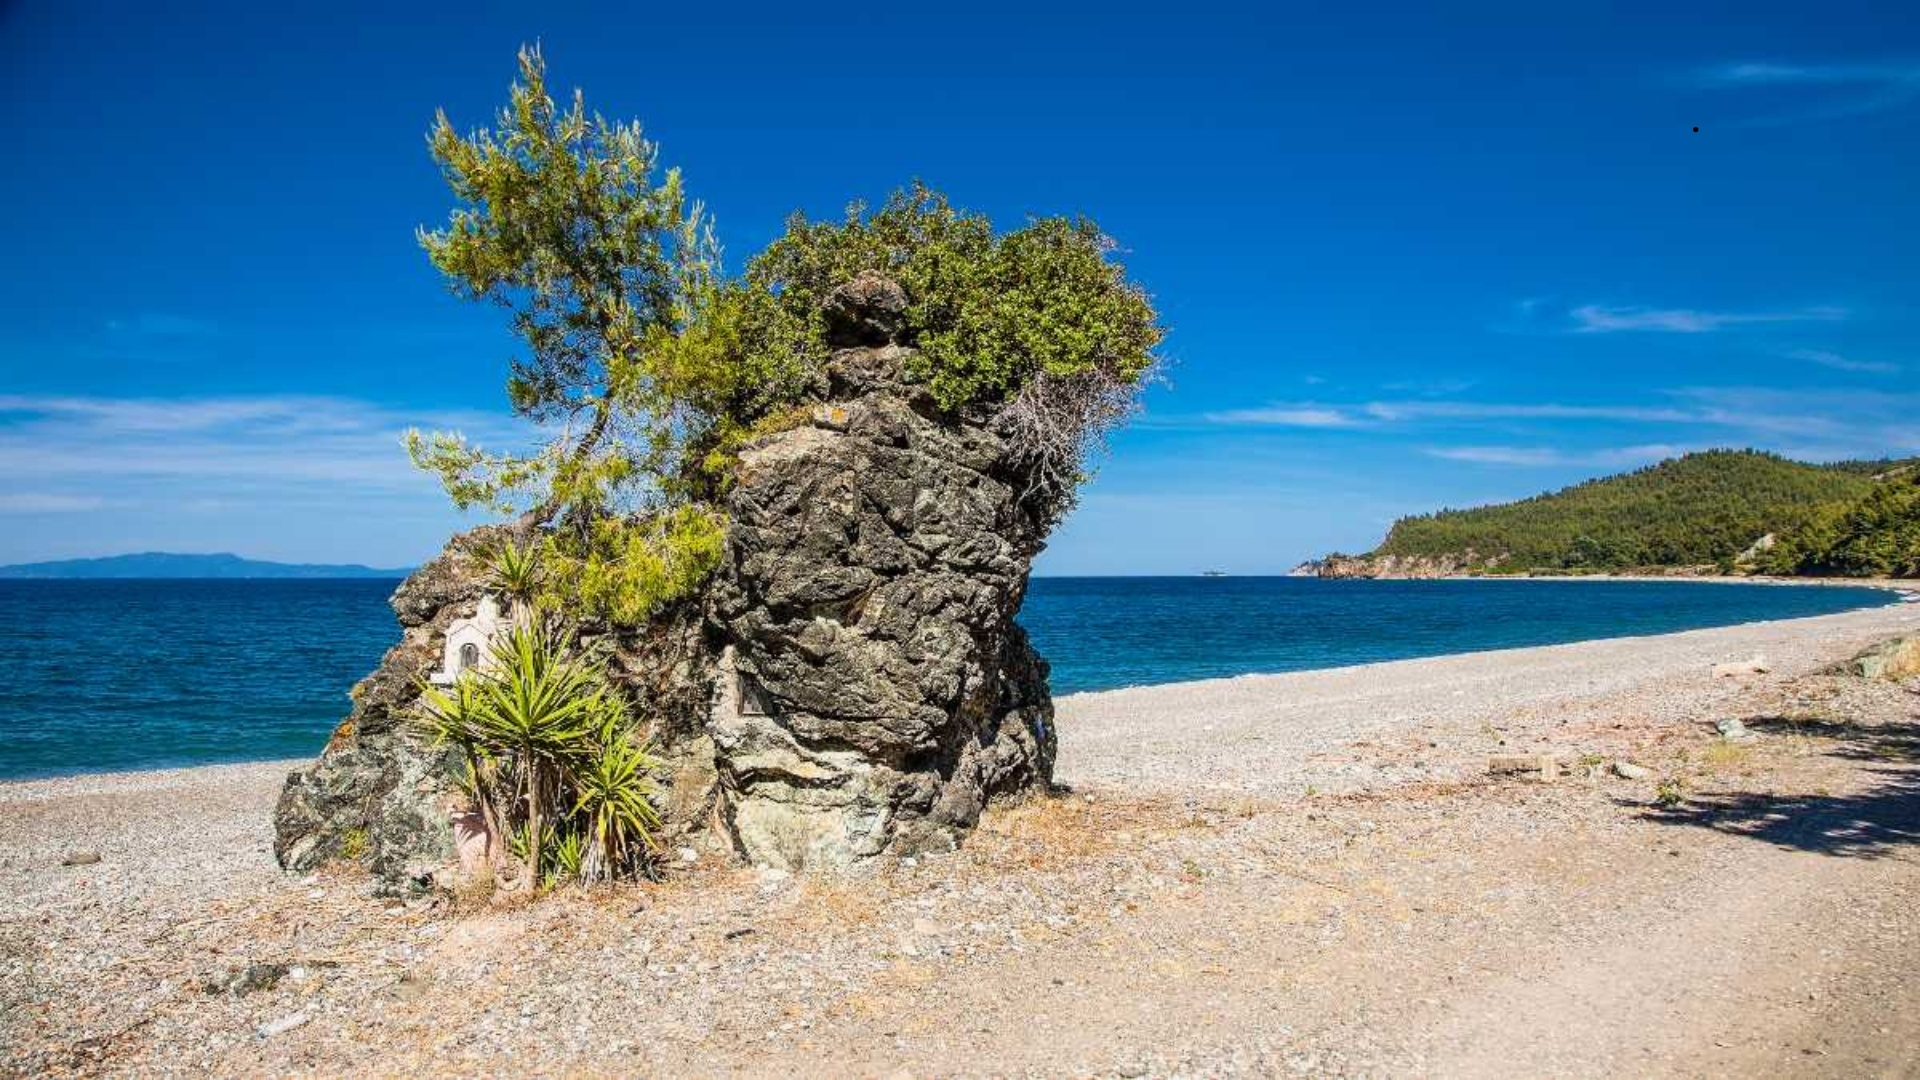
(1302, 416)
(1546, 410)
(42, 502)
(1842, 363)
(1544, 457)
(1834, 423)
(1850, 89)
(1601, 319)
(200, 448)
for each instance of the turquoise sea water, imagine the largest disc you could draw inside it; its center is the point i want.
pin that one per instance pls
(147, 674)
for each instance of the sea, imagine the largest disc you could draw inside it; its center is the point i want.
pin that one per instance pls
(114, 675)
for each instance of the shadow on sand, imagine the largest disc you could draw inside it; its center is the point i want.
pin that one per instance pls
(1872, 824)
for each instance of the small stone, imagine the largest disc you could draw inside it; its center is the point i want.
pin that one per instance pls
(688, 855)
(830, 417)
(1732, 729)
(281, 1026)
(241, 981)
(1627, 770)
(80, 858)
(869, 310)
(925, 927)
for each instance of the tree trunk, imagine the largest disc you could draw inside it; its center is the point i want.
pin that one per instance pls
(530, 874)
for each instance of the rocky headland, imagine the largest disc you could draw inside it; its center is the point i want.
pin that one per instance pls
(849, 683)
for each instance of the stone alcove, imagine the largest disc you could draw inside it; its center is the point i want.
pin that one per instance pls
(469, 643)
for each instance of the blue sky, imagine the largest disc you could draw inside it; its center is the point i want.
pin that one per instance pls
(1408, 260)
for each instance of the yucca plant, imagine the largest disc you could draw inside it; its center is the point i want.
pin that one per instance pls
(515, 569)
(616, 789)
(564, 855)
(539, 709)
(552, 759)
(453, 718)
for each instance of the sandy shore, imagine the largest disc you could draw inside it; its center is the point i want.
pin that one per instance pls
(1308, 873)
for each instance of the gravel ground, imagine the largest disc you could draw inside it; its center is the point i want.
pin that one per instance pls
(1299, 874)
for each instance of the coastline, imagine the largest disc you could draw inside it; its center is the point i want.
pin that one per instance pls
(1314, 870)
(109, 781)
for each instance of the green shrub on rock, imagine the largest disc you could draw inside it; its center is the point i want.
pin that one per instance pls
(554, 762)
(987, 313)
(648, 369)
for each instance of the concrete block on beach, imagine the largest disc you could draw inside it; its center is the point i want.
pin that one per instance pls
(1531, 766)
(1756, 665)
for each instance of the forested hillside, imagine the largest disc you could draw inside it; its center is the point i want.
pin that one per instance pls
(1697, 510)
(1874, 535)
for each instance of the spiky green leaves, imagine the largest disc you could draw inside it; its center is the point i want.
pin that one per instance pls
(554, 761)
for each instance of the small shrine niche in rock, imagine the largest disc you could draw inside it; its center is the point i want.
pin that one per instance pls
(752, 697)
(469, 643)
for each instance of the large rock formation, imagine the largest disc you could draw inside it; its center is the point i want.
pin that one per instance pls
(850, 684)
(376, 791)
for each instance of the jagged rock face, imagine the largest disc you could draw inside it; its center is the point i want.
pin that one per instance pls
(850, 684)
(1403, 566)
(378, 792)
(875, 689)
(374, 788)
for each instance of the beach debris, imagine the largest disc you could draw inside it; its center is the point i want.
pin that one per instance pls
(1533, 766)
(1754, 665)
(1627, 770)
(83, 857)
(241, 981)
(409, 987)
(1732, 729)
(281, 1026)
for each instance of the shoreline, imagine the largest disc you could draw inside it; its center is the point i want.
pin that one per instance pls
(1315, 871)
(11, 788)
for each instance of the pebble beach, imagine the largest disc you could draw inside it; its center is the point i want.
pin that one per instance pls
(1314, 873)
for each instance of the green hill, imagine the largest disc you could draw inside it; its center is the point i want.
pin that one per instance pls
(1874, 535)
(1702, 509)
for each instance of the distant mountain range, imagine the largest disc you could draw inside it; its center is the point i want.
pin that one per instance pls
(161, 564)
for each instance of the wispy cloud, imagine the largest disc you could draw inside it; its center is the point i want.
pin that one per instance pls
(43, 502)
(1850, 89)
(1544, 410)
(1548, 457)
(1379, 413)
(192, 448)
(1818, 423)
(1601, 319)
(1299, 416)
(1837, 362)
